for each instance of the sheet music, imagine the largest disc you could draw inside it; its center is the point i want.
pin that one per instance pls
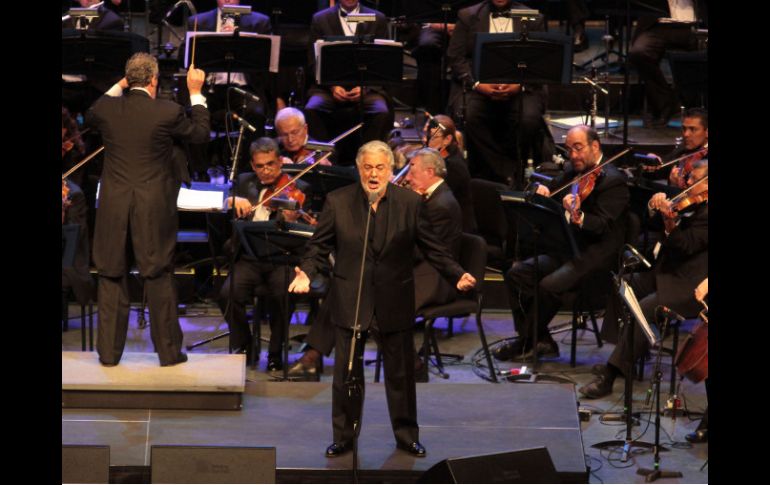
(651, 332)
(321, 43)
(573, 121)
(275, 44)
(200, 200)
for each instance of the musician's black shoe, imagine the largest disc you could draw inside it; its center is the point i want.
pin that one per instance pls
(414, 448)
(698, 436)
(509, 350)
(336, 449)
(182, 358)
(299, 372)
(274, 362)
(600, 387)
(545, 348)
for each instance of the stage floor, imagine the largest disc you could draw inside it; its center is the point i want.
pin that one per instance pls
(455, 420)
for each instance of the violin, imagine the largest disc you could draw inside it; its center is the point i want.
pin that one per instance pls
(583, 189)
(690, 200)
(276, 199)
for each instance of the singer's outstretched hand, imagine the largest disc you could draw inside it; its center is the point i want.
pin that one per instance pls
(466, 282)
(300, 283)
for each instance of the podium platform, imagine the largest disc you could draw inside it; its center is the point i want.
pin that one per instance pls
(205, 381)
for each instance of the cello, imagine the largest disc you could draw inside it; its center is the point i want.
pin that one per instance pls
(692, 360)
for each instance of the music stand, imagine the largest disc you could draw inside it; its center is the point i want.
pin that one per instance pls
(519, 58)
(280, 243)
(99, 51)
(631, 305)
(356, 62)
(69, 241)
(539, 220)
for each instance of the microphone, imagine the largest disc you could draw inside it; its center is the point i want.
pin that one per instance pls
(245, 94)
(373, 197)
(637, 255)
(244, 123)
(667, 311)
(434, 122)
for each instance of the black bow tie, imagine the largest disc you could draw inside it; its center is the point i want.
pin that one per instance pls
(504, 13)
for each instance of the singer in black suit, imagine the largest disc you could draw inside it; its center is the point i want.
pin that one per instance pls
(496, 115)
(387, 309)
(598, 222)
(137, 203)
(682, 264)
(332, 110)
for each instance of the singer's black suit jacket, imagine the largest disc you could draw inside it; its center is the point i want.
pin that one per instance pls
(140, 183)
(388, 284)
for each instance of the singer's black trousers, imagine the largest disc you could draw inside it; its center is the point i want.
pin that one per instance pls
(398, 363)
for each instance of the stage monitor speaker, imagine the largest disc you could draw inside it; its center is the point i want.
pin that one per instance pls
(522, 466)
(212, 464)
(85, 464)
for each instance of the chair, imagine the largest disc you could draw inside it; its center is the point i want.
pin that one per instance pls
(473, 258)
(490, 219)
(65, 319)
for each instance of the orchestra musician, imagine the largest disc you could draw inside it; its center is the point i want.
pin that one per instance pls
(250, 273)
(695, 143)
(598, 220)
(496, 115)
(651, 37)
(292, 131)
(681, 264)
(701, 433)
(137, 203)
(396, 228)
(441, 134)
(331, 109)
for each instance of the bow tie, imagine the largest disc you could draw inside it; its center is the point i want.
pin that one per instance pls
(504, 13)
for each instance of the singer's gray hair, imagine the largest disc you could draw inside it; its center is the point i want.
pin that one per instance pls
(264, 145)
(289, 113)
(375, 146)
(140, 69)
(431, 158)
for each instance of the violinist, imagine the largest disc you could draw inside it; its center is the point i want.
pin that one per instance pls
(441, 134)
(681, 263)
(597, 215)
(72, 146)
(695, 142)
(249, 273)
(292, 131)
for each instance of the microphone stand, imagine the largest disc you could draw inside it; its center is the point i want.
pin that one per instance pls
(656, 472)
(353, 380)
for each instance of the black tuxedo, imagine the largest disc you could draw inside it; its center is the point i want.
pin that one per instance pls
(459, 180)
(650, 41)
(681, 265)
(493, 127)
(445, 218)
(250, 273)
(107, 20)
(599, 240)
(137, 203)
(326, 117)
(387, 296)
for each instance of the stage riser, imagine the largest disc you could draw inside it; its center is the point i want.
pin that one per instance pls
(152, 400)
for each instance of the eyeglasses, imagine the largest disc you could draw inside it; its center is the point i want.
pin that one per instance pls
(577, 148)
(264, 166)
